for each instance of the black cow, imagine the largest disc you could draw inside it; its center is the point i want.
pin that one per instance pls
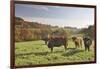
(87, 43)
(57, 42)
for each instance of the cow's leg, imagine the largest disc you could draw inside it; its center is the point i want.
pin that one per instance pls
(51, 49)
(76, 45)
(88, 48)
(65, 47)
(81, 43)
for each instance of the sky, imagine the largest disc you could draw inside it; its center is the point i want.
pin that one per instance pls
(56, 15)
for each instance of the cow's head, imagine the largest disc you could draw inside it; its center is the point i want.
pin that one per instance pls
(74, 38)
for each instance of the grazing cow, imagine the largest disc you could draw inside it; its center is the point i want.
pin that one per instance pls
(57, 42)
(87, 43)
(77, 41)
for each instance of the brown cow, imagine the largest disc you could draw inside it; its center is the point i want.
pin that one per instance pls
(77, 41)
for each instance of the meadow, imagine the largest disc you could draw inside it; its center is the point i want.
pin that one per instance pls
(36, 52)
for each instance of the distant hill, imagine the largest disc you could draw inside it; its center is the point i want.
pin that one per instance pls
(25, 30)
(19, 22)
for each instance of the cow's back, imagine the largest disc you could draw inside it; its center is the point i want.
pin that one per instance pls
(56, 42)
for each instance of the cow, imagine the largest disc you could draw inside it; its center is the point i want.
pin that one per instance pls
(87, 43)
(57, 42)
(77, 41)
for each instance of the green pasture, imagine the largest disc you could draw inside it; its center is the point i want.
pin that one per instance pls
(36, 52)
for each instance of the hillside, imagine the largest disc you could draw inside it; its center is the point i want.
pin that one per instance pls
(19, 22)
(25, 30)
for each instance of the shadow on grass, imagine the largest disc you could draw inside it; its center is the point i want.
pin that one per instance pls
(61, 51)
(68, 52)
(35, 53)
(72, 51)
(39, 44)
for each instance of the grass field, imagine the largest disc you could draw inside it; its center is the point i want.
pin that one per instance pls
(36, 52)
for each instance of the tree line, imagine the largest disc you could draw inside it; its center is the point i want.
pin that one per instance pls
(27, 31)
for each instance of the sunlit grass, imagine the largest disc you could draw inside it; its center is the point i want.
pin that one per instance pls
(36, 52)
